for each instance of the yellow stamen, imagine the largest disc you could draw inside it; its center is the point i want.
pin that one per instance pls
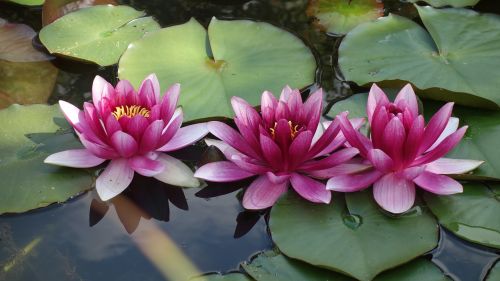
(129, 111)
(294, 129)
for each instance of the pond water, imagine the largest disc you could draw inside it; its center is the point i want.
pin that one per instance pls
(86, 239)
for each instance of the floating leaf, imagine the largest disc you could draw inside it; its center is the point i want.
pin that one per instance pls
(15, 43)
(28, 135)
(243, 58)
(340, 16)
(494, 273)
(351, 236)
(220, 277)
(453, 3)
(272, 266)
(472, 215)
(54, 9)
(27, 2)
(417, 270)
(98, 34)
(461, 53)
(26, 82)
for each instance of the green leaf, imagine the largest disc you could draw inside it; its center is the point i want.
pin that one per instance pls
(461, 53)
(494, 273)
(453, 3)
(99, 34)
(222, 277)
(340, 16)
(240, 58)
(54, 9)
(417, 270)
(27, 2)
(353, 236)
(27, 137)
(472, 215)
(273, 266)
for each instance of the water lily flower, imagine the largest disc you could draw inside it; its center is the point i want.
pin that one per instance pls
(404, 151)
(285, 144)
(131, 129)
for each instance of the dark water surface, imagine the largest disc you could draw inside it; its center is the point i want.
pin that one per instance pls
(86, 239)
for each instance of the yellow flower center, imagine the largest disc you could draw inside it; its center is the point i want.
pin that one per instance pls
(129, 111)
(294, 129)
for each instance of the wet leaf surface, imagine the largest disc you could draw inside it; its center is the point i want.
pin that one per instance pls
(453, 3)
(54, 9)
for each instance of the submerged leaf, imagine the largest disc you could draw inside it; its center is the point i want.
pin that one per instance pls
(15, 43)
(98, 34)
(240, 58)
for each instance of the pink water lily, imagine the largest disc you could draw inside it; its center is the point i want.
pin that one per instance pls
(404, 151)
(285, 144)
(131, 129)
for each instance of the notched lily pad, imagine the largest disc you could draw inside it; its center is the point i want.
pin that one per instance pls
(453, 3)
(339, 16)
(27, 137)
(98, 34)
(240, 58)
(459, 52)
(472, 215)
(351, 236)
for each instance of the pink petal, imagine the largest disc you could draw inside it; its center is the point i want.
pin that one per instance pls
(101, 89)
(185, 136)
(222, 171)
(116, 178)
(93, 121)
(136, 127)
(354, 137)
(394, 193)
(171, 129)
(111, 125)
(245, 163)
(76, 158)
(312, 108)
(324, 142)
(380, 160)
(342, 169)
(245, 113)
(414, 140)
(176, 172)
(295, 104)
(271, 152)
(442, 149)
(438, 184)
(226, 149)
(310, 189)
(169, 101)
(452, 166)
(394, 139)
(145, 166)
(277, 179)
(334, 159)
(406, 98)
(450, 128)
(353, 182)
(436, 126)
(124, 144)
(147, 93)
(376, 97)
(285, 94)
(151, 137)
(412, 172)
(262, 193)
(72, 114)
(299, 148)
(267, 106)
(99, 150)
(378, 124)
(124, 88)
(231, 137)
(155, 86)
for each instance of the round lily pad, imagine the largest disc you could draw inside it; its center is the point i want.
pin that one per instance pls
(453, 3)
(472, 215)
(222, 277)
(54, 9)
(351, 236)
(239, 58)
(417, 270)
(27, 137)
(494, 273)
(460, 53)
(339, 16)
(98, 34)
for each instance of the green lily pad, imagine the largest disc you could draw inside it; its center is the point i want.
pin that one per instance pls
(460, 54)
(54, 9)
(351, 236)
(27, 137)
(222, 277)
(479, 142)
(417, 270)
(494, 273)
(472, 215)
(27, 2)
(239, 58)
(453, 3)
(273, 266)
(98, 34)
(339, 16)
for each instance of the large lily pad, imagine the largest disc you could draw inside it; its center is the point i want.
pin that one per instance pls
(479, 143)
(453, 3)
(472, 215)
(351, 236)
(240, 58)
(339, 16)
(54, 9)
(460, 53)
(27, 136)
(417, 270)
(494, 273)
(27, 2)
(98, 34)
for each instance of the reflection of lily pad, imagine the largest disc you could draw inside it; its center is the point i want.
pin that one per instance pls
(26, 82)
(54, 9)
(472, 215)
(27, 136)
(241, 58)
(220, 277)
(351, 236)
(461, 53)
(453, 3)
(340, 16)
(15, 43)
(98, 34)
